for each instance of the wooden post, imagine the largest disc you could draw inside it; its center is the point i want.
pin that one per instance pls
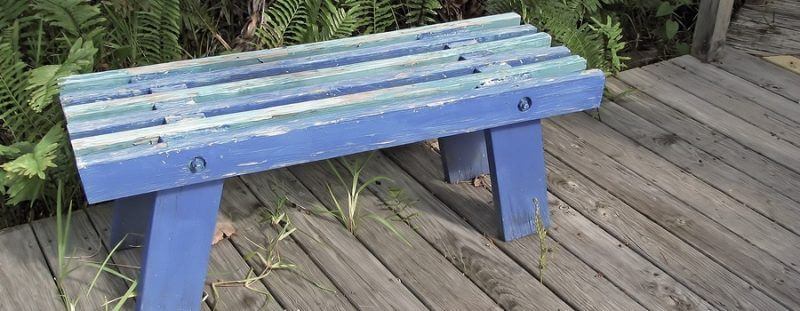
(519, 183)
(176, 228)
(713, 19)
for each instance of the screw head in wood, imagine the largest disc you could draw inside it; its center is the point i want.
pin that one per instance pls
(524, 104)
(198, 164)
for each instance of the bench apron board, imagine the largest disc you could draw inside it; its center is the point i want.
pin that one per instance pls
(160, 140)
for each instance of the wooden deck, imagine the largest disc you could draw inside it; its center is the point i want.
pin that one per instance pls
(771, 28)
(680, 194)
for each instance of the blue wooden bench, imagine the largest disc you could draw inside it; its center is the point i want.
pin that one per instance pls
(161, 139)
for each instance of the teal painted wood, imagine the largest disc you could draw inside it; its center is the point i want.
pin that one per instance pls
(113, 78)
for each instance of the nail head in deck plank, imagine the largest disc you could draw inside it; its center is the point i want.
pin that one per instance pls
(25, 279)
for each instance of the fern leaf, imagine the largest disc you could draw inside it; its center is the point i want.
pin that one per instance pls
(284, 23)
(338, 22)
(77, 18)
(43, 81)
(380, 16)
(421, 12)
(25, 176)
(159, 31)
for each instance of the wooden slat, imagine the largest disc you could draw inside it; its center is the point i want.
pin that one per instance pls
(295, 65)
(304, 288)
(755, 265)
(232, 298)
(705, 166)
(25, 279)
(761, 73)
(715, 204)
(739, 88)
(776, 124)
(710, 280)
(114, 117)
(123, 76)
(505, 280)
(723, 148)
(337, 133)
(432, 278)
(747, 134)
(83, 246)
(600, 251)
(350, 266)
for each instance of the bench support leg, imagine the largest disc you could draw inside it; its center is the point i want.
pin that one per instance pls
(177, 227)
(464, 156)
(519, 184)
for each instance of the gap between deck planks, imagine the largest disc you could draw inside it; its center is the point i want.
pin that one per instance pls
(760, 72)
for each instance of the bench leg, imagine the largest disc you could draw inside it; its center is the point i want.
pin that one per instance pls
(519, 184)
(464, 156)
(177, 226)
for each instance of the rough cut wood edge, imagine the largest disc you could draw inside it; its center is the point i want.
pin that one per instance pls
(789, 62)
(713, 19)
(26, 282)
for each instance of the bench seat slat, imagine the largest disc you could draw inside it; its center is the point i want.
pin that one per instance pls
(289, 92)
(322, 139)
(119, 77)
(190, 80)
(97, 110)
(425, 92)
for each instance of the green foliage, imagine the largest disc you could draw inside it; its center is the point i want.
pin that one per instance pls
(421, 12)
(289, 22)
(157, 31)
(24, 174)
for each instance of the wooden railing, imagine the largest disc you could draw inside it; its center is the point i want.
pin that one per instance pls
(713, 19)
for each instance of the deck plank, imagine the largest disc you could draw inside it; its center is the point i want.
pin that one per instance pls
(641, 280)
(768, 29)
(84, 245)
(760, 72)
(696, 108)
(755, 265)
(350, 265)
(25, 279)
(677, 124)
(233, 298)
(421, 268)
(713, 282)
(489, 262)
(756, 195)
(303, 288)
(776, 124)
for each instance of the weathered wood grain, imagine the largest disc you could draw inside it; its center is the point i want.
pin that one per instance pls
(761, 73)
(129, 261)
(639, 279)
(738, 87)
(432, 278)
(710, 280)
(723, 148)
(705, 166)
(337, 133)
(755, 265)
(304, 288)
(768, 29)
(777, 125)
(745, 133)
(83, 247)
(357, 273)
(480, 258)
(26, 282)
(752, 226)
(124, 76)
(713, 17)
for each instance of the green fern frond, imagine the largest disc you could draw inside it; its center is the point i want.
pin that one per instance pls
(43, 81)
(284, 23)
(159, 31)
(76, 18)
(338, 22)
(24, 176)
(11, 11)
(421, 12)
(379, 16)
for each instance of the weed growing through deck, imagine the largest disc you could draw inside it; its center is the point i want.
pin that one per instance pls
(541, 233)
(349, 213)
(65, 266)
